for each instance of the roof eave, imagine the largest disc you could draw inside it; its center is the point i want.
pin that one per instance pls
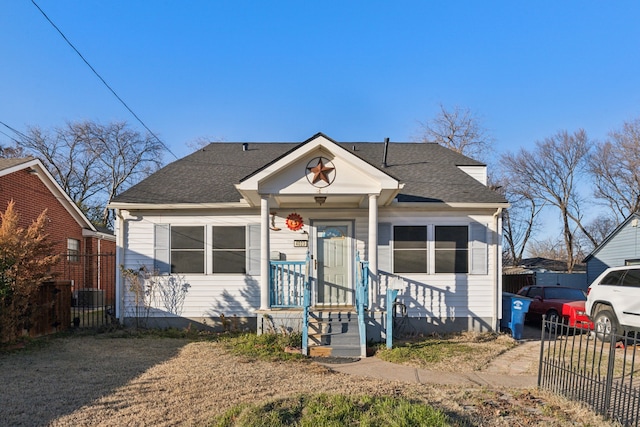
(176, 206)
(453, 205)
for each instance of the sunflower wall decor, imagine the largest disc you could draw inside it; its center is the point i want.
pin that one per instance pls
(294, 222)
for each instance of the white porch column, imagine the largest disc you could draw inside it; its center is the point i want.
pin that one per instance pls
(264, 253)
(373, 250)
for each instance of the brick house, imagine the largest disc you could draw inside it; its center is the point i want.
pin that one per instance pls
(33, 189)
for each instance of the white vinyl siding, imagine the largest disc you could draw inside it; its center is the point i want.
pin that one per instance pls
(425, 295)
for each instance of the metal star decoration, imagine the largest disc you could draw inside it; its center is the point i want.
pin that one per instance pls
(320, 172)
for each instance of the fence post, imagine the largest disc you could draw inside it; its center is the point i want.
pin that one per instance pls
(544, 318)
(610, 365)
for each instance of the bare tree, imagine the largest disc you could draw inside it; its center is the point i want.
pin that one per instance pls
(551, 173)
(519, 223)
(460, 130)
(11, 151)
(94, 162)
(615, 167)
(202, 141)
(598, 230)
(550, 248)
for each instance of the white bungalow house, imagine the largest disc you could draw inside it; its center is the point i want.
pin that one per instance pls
(325, 237)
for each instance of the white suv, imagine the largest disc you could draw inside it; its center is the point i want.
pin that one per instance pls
(613, 301)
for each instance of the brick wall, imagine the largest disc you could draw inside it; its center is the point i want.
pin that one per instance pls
(31, 197)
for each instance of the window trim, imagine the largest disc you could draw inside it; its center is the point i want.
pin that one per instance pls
(424, 249)
(162, 248)
(244, 249)
(73, 254)
(202, 250)
(455, 250)
(478, 241)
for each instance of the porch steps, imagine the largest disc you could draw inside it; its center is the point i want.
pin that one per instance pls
(333, 334)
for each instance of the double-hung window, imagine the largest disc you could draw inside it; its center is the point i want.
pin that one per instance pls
(451, 249)
(229, 249)
(410, 249)
(187, 249)
(73, 250)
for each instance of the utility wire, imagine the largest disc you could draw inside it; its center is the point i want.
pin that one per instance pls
(13, 130)
(9, 136)
(101, 79)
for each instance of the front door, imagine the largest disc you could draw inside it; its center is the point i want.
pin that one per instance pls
(333, 263)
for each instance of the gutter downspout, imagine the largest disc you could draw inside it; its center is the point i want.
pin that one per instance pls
(498, 271)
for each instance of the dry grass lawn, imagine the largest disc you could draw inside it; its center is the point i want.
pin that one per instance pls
(107, 381)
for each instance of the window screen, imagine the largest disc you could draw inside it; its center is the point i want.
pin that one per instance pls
(187, 249)
(229, 253)
(451, 249)
(410, 249)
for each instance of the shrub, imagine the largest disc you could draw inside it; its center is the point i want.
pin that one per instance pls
(25, 263)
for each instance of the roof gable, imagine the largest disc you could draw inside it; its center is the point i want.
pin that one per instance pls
(319, 166)
(9, 166)
(629, 220)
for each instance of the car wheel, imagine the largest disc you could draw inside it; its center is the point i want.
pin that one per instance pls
(553, 322)
(604, 323)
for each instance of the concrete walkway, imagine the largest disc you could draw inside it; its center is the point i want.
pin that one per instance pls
(516, 368)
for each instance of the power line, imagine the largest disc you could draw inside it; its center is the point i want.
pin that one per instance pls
(14, 131)
(101, 79)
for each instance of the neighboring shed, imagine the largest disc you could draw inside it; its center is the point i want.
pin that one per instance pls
(621, 247)
(542, 271)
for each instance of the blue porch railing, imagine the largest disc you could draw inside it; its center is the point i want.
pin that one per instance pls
(362, 300)
(291, 288)
(287, 280)
(306, 304)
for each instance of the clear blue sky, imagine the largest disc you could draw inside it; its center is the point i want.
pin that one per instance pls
(355, 70)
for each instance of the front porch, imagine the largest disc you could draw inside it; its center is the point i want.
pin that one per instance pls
(326, 330)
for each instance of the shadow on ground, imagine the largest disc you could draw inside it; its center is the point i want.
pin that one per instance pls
(34, 381)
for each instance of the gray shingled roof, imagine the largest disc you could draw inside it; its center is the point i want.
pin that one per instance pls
(11, 162)
(429, 172)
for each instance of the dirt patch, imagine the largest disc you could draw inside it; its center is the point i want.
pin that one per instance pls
(99, 380)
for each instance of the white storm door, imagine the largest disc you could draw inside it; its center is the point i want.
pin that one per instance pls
(333, 263)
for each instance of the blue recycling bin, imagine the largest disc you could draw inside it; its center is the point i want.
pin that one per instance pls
(514, 310)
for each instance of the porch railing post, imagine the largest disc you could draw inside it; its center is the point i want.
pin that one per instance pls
(362, 298)
(392, 294)
(306, 303)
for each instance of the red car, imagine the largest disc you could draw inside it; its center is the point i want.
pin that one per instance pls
(558, 303)
(575, 315)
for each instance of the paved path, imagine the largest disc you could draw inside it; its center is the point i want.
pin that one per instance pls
(516, 368)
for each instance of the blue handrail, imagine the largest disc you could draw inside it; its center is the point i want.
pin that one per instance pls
(306, 303)
(362, 300)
